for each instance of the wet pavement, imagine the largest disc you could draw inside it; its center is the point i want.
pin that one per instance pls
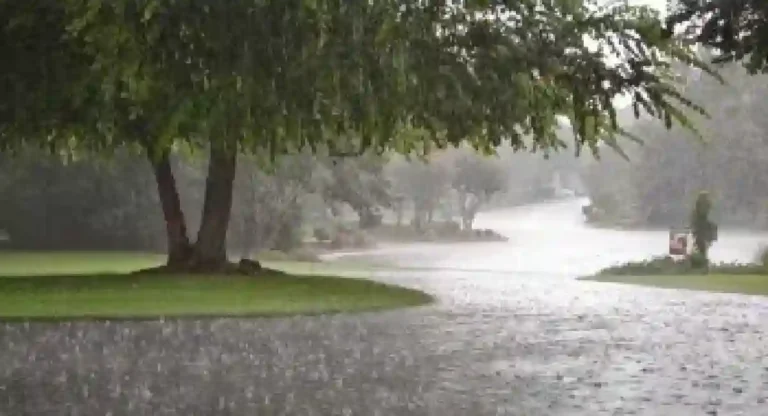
(513, 334)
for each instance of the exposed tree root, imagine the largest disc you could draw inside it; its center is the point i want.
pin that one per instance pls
(245, 267)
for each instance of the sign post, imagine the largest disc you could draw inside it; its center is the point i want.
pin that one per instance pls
(680, 242)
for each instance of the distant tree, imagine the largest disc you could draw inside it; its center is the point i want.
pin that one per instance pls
(424, 184)
(398, 206)
(360, 183)
(703, 229)
(672, 166)
(267, 204)
(476, 179)
(48, 203)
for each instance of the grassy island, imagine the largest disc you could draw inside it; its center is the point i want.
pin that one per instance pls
(70, 286)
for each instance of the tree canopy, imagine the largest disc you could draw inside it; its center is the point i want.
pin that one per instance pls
(297, 71)
(737, 30)
(666, 174)
(670, 173)
(476, 181)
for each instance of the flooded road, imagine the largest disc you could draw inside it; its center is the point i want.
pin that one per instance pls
(513, 333)
(552, 239)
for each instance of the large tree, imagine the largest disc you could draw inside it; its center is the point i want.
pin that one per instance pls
(269, 76)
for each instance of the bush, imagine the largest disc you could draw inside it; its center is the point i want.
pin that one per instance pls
(447, 229)
(738, 268)
(430, 234)
(339, 239)
(344, 238)
(695, 264)
(359, 240)
(490, 235)
(87, 204)
(698, 261)
(762, 256)
(294, 255)
(322, 234)
(655, 266)
(289, 235)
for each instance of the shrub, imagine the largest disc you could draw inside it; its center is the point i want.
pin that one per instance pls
(359, 240)
(655, 266)
(447, 229)
(322, 234)
(762, 256)
(288, 237)
(704, 231)
(698, 261)
(738, 268)
(338, 241)
(294, 255)
(695, 264)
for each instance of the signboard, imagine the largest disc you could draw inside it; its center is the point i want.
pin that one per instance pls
(679, 242)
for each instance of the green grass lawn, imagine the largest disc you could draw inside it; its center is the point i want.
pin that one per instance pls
(63, 286)
(75, 262)
(87, 262)
(734, 283)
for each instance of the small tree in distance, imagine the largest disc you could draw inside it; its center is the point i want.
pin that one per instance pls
(703, 229)
(476, 180)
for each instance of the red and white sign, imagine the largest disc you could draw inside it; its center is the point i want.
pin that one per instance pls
(679, 243)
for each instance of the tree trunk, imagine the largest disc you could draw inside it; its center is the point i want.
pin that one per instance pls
(463, 209)
(211, 246)
(418, 217)
(179, 249)
(467, 221)
(469, 207)
(368, 218)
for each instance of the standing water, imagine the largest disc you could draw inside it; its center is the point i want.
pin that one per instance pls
(512, 333)
(554, 239)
